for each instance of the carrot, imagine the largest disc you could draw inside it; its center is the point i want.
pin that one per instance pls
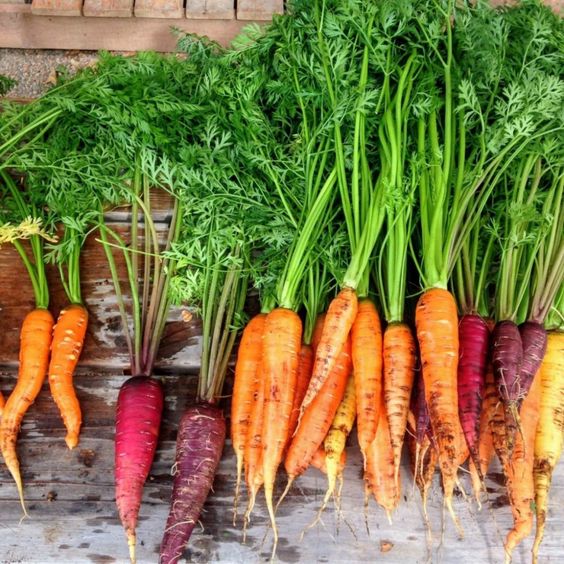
(519, 472)
(380, 471)
(302, 381)
(437, 331)
(201, 435)
(68, 339)
(336, 328)
(280, 357)
(319, 461)
(138, 417)
(253, 448)
(333, 449)
(399, 372)
(317, 419)
(473, 335)
(245, 387)
(549, 437)
(485, 439)
(35, 340)
(317, 331)
(2, 403)
(366, 346)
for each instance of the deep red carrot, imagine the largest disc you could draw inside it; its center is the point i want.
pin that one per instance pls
(533, 338)
(138, 417)
(473, 335)
(201, 435)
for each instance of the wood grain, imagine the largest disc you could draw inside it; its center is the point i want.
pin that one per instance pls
(56, 7)
(259, 9)
(159, 9)
(71, 502)
(210, 9)
(21, 29)
(108, 8)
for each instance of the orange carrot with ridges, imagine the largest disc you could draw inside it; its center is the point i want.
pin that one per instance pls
(280, 357)
(338, 322)
(399, 356)
(366, 346)
(253, 446)
(317, 418)
(68, 339)
(35, 340)
(379, 474)
(245, 388)
(305, 366)
(437, 332)
(519, 471)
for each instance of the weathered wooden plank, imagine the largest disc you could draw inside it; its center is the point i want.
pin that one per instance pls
(261, 10)
(108, 8)
(159, 9)
(20, 29)
(105, 344)
(56, 7)
(204, 9)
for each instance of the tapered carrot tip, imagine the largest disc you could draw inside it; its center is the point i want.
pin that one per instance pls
(72, 440)
(131, 542)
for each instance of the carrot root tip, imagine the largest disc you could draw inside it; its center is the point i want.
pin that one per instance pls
(131, 540)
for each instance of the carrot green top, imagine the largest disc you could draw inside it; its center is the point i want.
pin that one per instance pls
(27, 224)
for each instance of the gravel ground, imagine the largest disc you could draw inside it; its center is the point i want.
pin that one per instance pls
(35, 69)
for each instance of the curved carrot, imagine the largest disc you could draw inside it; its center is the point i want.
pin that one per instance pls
(519, 471)
(550, 431)
(280, 357)
(437, 332)
(317, 418)
(35, 340)
(399, 373)
(245, 387)
(68, 339)
(338, 322)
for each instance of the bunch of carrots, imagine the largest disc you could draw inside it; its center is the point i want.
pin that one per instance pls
(352, 156)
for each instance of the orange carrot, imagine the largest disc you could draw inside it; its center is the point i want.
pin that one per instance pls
(253, 446)
(245, 389)
(366, 337)
(2, 403)
(485, 439)
(304, 374)
(519, 471)
(35, 340)
(380, 472)
(437, 332)
(317, 331)
(280, 357)
(338, 322)
(318, 417)
(68, 339)
(399, 373)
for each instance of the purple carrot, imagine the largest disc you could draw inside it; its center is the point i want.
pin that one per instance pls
(534, 337)
(138, 418)
(473, 335)
(201, 435)
(507, 358)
